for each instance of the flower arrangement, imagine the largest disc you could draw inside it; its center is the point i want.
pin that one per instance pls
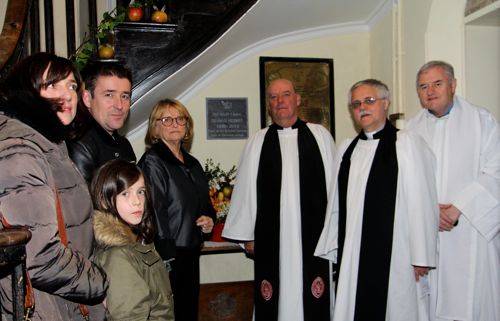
(221, 185)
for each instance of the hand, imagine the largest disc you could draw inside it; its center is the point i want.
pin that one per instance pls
(448, 217)
(206, 223)
(250, 247)
(420, 271)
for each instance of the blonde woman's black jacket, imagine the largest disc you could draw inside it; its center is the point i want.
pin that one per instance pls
(180, 195)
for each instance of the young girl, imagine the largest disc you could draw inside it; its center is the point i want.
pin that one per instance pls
(139, 286)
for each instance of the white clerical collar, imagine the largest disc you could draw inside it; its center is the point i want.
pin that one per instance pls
(369, 136)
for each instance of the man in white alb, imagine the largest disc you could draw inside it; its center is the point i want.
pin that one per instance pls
(466, 141)
(278, 208)
(382, 231)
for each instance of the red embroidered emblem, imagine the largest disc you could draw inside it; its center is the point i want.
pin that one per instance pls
(266, 290)
(318, 287)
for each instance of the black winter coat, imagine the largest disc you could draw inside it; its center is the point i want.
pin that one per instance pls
(180, 196)
(97, 147)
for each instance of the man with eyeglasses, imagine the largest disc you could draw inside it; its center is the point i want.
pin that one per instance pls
(466, 141)
(278, 209)
(107, 96)
(382, 230)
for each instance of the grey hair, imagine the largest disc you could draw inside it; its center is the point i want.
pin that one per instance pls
(382, 89)
(447, 68)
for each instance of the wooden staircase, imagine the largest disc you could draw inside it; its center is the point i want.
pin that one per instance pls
(153, 52)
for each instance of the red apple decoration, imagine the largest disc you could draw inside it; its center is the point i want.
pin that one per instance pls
(134, 14)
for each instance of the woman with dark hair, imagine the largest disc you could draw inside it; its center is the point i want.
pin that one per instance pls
(179, 188)
(40, 187)
(139, 288)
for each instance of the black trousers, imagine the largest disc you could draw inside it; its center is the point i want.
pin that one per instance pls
(185, 281)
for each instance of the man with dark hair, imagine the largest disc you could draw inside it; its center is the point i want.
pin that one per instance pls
(107, 98)
(382, 231)
(466, 141)
(278, 208)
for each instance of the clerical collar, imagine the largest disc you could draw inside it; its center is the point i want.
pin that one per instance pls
(294, 126)
(372, 135)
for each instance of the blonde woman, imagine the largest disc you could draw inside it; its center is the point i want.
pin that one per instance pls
(183, 211)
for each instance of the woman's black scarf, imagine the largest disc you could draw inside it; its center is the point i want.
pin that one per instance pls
(313, 201)
(35, 112)
(378, 223)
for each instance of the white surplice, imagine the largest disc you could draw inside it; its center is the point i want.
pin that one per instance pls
(414, 233)
(240, 223)
(466, 142)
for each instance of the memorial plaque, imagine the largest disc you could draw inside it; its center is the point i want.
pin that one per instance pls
(227, 118)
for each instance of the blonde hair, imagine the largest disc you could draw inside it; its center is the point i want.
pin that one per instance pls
(158, 109)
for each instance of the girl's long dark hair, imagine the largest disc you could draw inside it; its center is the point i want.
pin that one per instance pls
(113, 178)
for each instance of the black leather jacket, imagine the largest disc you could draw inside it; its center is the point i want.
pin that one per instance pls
(96, 147)
(180, 196)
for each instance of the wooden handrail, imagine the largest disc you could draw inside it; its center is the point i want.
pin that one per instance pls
(22, 26)
(14, 236)
(13, 27)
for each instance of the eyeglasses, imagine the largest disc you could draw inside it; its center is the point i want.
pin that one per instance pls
(168, 121)
(367, 101)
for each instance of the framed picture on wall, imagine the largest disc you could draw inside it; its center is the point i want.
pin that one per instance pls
(313, 80)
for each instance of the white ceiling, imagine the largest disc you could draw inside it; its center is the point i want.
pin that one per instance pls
(282, 16)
